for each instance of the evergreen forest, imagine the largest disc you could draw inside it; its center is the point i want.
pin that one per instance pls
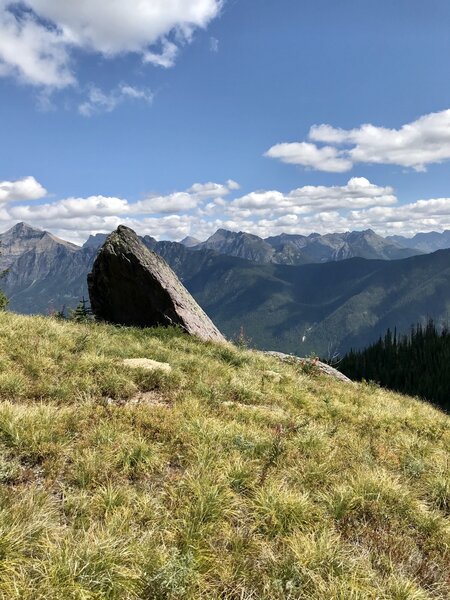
(417, 364)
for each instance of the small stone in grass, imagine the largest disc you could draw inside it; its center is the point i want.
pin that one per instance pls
(147, 363)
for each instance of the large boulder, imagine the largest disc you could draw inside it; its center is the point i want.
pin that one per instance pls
(131, 285)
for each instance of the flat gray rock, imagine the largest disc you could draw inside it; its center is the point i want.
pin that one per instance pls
(131, 285)
(320, 366)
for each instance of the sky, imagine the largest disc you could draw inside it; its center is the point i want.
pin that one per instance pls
(179, 117)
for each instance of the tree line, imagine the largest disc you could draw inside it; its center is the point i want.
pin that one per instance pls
(417, 364)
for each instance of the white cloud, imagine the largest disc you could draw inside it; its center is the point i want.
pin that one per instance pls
(194, 197)
(233, 185)
(261, 200)
(205, 207)
(358, 193)
(33, 53)
(128, 91)
(71, 208)
(213, 190)
(23, 189)
(415, 145)
(37, 36)
(99, 101)
(309, 155)
(166, 58)
(173, 203)
(411, 216)
(214, 45)
(116, 26)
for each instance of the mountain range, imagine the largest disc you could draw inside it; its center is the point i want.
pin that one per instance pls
(325, 307)
(425, 242)
(286, 249)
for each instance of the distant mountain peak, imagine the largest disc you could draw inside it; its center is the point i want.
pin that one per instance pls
(232, 235)
(21, 225)
(95, 240)
(22, 232)
(189, 241)
(22, 238)
(220, 233)
(22, 229)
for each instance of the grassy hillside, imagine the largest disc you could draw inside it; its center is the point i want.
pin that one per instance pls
(218, 480)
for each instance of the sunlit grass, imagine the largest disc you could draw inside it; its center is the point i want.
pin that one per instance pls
(213, 481)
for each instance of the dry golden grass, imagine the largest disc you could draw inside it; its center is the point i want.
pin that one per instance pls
(224, 484)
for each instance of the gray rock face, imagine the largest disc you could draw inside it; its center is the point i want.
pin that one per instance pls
(242, 245)
(95, 241)
(131, 285)
(22, 238)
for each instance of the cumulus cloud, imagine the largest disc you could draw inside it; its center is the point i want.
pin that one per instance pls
(194, 197)
(171, 215)
(125, 25)
(38, 36)
(204, 207)
(23, 189)
(33, 53)
(358, 193)
(98, 101)
(213, 190)
(173, 203)
(413, 217)
(415, 145)
(309, 155)
(71, 208)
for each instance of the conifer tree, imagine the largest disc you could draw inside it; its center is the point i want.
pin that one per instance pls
(82, 312)
(3, 299)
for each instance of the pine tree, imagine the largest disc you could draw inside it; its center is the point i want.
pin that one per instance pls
(3, 299)
(82, 312)
(61, 314)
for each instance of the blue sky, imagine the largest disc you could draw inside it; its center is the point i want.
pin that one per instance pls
(111, 116)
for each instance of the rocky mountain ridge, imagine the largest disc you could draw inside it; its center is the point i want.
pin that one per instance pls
(289, 249)
(22, 237)
(425, 242)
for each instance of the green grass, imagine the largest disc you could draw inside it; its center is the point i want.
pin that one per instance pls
(215, 481)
